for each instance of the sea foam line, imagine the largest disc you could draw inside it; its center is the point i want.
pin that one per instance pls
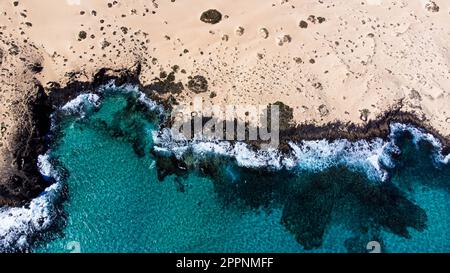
(130, 88)
(419, 135)
(80, 103)
(312, 156)
(370, 156)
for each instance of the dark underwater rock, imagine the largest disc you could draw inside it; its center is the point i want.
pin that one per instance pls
(307, 213)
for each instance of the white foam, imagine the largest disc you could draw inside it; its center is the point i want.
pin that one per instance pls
(82, 102)
(418, 136)
(79, 104)
(132, 88)
(361, 155)
(307, 155)
(446, 160)
(244, 155)
(44, 165)
(18, 225)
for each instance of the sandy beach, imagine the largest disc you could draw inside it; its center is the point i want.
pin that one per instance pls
(331, 61)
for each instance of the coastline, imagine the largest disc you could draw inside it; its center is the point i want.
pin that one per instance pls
(46, 204)
(58, 96)
(374, 128)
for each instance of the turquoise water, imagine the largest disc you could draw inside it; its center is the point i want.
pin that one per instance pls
(121, 197)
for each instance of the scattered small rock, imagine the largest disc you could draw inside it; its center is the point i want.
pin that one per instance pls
(105, 44)
(298, 60)
(323, 110)
(264, 33)
(283, 39)
(303, 24)
(432, 6)
(82, 35)
(317, 85)
(225, 37)
(312, 19)
(240, 31)
(414, 95)
(321, 20)
(211, 16)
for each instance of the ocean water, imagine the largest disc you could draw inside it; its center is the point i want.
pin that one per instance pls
(126, 188)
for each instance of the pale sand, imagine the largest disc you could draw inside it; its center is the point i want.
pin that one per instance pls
(367, 56)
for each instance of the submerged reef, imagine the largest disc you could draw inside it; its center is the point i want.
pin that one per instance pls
(308, 200)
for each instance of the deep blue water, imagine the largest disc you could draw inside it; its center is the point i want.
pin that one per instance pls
(116, 203)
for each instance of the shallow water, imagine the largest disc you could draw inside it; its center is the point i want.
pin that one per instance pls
(116, 203)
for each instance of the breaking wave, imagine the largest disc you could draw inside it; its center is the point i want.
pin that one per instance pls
(81, 104)
(19, 226)
(312, 156)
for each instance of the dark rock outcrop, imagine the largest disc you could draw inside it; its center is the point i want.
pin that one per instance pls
(198, 84)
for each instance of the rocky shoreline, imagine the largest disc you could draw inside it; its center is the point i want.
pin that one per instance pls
(377, 128)
(29, 144)
(25, 181)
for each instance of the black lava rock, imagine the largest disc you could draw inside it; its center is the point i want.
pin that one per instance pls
(35, 67)
(303, 24)
(198, 84)
(82, 35)
(211, 16)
